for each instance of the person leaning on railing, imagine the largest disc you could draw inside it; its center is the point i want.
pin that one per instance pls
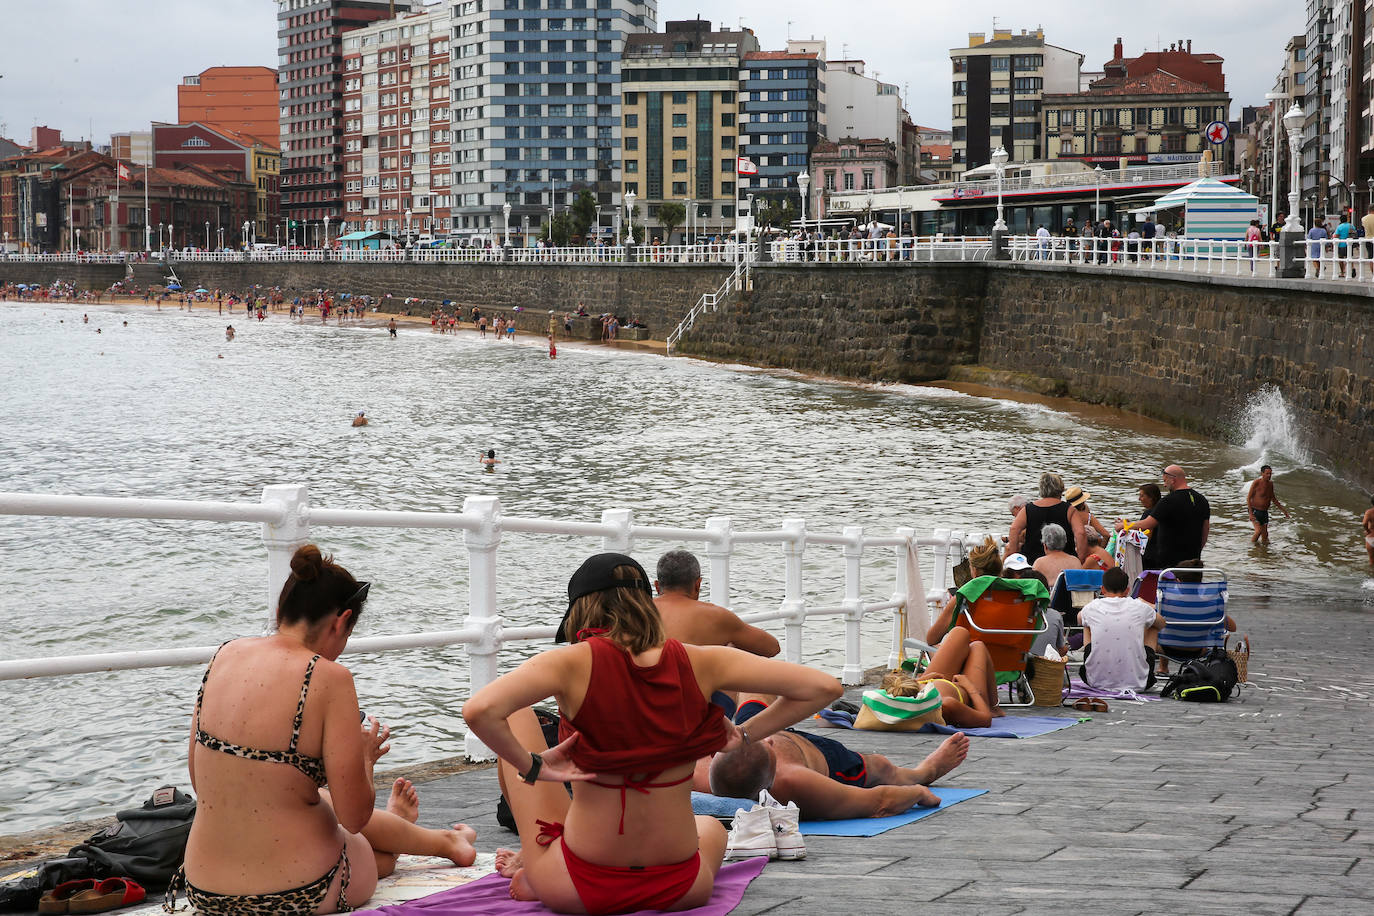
(275, 721)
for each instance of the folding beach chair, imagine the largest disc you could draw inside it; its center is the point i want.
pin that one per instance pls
(1006, 620)
(1193, 604)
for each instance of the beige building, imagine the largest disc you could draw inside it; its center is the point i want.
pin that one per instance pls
(680, 109)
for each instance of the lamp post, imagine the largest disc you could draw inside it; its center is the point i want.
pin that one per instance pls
(598, 222)
(1097, 195)
(207, 235)
(159, 236)
(629, 218)
(1292, 122)
(999, 163)
(803, 182)
(171, 239)
(551, 212)
(326, 232)
(1370, 183)
(691, 205)
(505, 225)
(245, 236)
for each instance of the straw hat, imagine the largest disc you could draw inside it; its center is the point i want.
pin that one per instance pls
(1076, 496)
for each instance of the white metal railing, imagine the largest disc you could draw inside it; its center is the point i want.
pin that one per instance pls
(737, 281)
(1182, 255)
(1350, 260)
(64, 257)
(895, 250)
(287, 520)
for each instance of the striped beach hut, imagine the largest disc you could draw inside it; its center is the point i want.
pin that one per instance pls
(1211, 209)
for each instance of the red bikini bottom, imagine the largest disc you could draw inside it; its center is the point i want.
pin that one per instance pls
(607, 889)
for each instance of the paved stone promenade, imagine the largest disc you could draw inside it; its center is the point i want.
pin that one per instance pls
(1261, 805)
(1264, 805)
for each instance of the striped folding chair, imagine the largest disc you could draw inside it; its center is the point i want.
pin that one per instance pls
(1193, 604)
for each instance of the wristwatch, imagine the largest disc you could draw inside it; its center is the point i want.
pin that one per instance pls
(536, 763)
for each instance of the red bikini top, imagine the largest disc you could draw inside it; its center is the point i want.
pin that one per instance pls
(642, 720)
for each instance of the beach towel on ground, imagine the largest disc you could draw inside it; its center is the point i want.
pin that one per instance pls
(492, 895)
(1005, 727)
(872, 826)
(1078, 690)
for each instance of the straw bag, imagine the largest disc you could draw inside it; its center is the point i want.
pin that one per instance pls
(881, 711)
(1240, 654)
(1046, 681)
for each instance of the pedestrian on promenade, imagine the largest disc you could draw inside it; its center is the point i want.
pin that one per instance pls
(1315, 236)
(1257, 501)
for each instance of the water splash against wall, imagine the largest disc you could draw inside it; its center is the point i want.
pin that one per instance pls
(1271, 433)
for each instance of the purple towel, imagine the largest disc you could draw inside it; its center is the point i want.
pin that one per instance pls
(492, 895)
(1078, 690)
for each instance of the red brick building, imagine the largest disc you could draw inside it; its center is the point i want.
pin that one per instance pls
(235, 99)
(255, 161)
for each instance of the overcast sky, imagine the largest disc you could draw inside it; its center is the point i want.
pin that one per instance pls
(96, 67)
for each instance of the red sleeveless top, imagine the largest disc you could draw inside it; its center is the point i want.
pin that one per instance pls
(642, 719)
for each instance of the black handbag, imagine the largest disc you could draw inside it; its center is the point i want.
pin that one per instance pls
(1210, 678)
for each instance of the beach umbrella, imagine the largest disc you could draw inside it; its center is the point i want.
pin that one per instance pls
(201, 289)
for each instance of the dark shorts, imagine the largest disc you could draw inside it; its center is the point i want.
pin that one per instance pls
(845, 766)
(1261, 516)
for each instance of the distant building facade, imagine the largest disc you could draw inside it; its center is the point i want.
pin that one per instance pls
(134, 146)
(238, 99)
(680, 110)
(851, 164)
(998, 86)
(178, 146)
(782, 117)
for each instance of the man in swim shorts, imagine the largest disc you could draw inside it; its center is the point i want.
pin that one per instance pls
(1258, 499)
(1368, 524)
(825, 779)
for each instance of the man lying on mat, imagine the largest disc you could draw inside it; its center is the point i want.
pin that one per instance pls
(827, 780)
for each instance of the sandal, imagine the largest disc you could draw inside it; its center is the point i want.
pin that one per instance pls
(110, 894)
(59, 898)
(1090, 704)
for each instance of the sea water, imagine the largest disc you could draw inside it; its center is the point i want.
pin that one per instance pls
(166, 407)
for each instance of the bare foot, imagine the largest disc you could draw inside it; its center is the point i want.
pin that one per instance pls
(509, 862)
(404, 801)
(457, 845)
(520, 887)
(946, 757)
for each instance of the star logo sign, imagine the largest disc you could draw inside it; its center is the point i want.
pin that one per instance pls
(1217, 133)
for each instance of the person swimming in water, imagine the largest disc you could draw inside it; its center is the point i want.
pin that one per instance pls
(489, 459)
(229, 332)
(360, 419)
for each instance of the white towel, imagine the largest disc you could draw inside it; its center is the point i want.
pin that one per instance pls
(917, 610)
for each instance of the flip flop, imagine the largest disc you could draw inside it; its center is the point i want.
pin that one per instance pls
(110, 894)
(1090, 704)
(58, 899)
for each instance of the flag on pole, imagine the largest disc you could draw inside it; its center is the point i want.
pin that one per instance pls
(745, 167)
(124, 173)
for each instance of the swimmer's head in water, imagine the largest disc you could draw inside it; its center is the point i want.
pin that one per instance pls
(491, 453)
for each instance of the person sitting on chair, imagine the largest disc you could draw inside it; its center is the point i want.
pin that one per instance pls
(1056, 558)
(1120, 637)
(983, 560)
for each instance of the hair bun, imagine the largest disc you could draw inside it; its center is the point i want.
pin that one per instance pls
(307, 562)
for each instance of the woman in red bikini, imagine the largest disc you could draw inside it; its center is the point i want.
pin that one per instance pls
(635, 721)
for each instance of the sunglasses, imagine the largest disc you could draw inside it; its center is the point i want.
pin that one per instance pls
(358, 597)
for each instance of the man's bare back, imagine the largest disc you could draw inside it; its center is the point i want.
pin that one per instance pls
(700, 623)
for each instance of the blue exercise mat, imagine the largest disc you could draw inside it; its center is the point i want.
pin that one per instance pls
(872, 826)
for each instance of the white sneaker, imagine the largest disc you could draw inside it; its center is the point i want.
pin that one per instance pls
(786, 824)
(751, 835)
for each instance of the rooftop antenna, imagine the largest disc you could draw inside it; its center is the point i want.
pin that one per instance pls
(994, 25)
(789, 30)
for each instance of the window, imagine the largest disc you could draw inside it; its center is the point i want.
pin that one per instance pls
(727, 142)
(632, 143)
(830, 179)
(680, 119)
(679, 189)
(1001, 63)
(631, 166)
(679, 143)
(679, 98)
(679, 165)
(631, 121)
(960, 87)
(1027, 83)
(868, 180)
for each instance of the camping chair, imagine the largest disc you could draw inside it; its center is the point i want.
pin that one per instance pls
(1006, 622)
(1073, 590)
(1193, 604)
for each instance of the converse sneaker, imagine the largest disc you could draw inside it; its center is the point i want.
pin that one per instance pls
(786, 824)
(751, 835)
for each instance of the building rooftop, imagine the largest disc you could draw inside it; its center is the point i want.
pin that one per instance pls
(1160, 82)
(780, 55)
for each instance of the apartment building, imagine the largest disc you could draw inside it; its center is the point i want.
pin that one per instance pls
(238, 99)
(397, 133)
(536, 107)
(998, 86)
(310, 95)
(782, 117)
(680, 110)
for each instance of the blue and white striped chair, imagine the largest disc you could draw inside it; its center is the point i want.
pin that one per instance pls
(1193, 604)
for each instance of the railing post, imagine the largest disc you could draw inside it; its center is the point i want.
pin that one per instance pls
(283, 538)
(941, 580)
(793, 602)
(621, 541)
(853, 672)
(718, 550)
(900, 588)
(482, 543)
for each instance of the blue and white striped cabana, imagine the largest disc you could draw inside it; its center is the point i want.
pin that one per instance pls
(1211, 209)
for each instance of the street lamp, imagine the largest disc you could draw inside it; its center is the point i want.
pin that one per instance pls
(803, 182)
(630, 217)
(999, 163)
(1097, 195)
(408, 239)
(1292, 122)
(505, 225)
(171, 239)
(1370, 183)
(245, 236)
(598, 222)
(159, 236)
(207, 235)
(326, 232)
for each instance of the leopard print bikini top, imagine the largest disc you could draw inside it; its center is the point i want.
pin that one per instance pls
(312, 767)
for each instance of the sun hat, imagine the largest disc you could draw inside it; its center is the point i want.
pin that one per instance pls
(1076, 496)
(1016, 561)
(597, 574)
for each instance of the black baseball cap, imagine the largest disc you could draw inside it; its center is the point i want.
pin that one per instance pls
(597, 574)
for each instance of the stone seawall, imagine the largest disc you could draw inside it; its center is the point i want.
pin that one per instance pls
(84, 276)
(851, 320)
(1191, 351)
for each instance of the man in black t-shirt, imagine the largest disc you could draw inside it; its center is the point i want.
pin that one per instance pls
(1180, 522)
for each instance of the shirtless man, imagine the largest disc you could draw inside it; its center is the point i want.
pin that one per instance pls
(1368, 524)
(688, 619)
(1257, 501)
(825, 779)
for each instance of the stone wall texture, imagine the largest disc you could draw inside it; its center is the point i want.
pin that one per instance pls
(1188, 350)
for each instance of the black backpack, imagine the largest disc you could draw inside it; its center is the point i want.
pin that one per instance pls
(146, 844)
(1209, 678)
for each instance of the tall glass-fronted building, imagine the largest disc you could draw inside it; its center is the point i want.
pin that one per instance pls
(782, 116)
